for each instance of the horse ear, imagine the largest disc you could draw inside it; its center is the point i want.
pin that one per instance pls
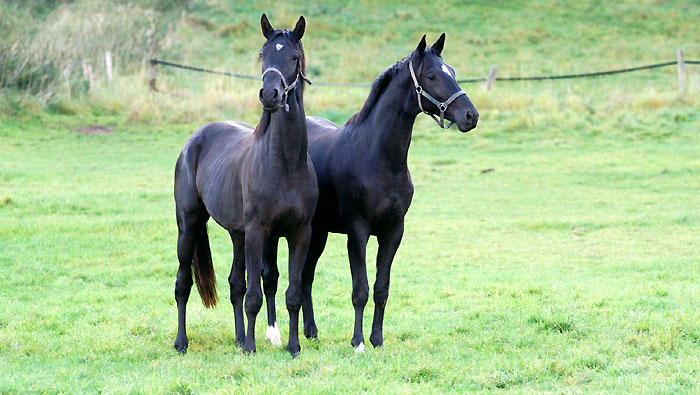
(439, 45)
(421, 47)
(300, 28)
(267, 29)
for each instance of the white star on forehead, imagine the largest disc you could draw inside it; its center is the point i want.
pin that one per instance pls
(279, 46)
(446, 70)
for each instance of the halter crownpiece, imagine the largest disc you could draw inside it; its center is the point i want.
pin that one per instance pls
(287, 88)
(441, 106)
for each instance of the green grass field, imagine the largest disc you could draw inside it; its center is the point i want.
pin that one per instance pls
(572, 266)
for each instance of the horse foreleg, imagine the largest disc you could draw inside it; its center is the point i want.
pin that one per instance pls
(254, 241)
(236, 282)
(357, 249)
(388, 245)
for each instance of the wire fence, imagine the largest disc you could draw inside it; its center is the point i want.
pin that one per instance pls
(155, 62)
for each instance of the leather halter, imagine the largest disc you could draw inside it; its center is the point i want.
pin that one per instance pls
(442, 106)
(287, 87)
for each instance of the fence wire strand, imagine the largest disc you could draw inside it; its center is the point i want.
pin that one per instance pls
(461, 81)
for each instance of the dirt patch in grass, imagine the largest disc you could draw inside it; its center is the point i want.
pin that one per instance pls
(95, 129)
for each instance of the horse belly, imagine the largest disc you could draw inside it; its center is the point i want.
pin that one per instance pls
(226, 208)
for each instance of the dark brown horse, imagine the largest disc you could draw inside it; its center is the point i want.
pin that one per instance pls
(364, 184)
(260, 185)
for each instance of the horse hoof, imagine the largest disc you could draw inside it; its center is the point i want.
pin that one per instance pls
(249, 348)
(180, 348)
(273, 335)
(360, 348)
(311, 332)
(377, 340)
(294, 350)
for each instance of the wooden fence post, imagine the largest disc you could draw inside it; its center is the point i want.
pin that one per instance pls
(491, 77)
(87, 73)
(152, 76)
(151, 45)
(108, 65)
(681, 70)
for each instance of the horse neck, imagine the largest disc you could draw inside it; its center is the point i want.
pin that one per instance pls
(390, 122)
(285, 137)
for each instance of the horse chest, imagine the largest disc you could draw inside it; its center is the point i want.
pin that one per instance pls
(282, 205)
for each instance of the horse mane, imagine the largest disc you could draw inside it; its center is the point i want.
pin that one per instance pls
(265, 118)
(378, 87)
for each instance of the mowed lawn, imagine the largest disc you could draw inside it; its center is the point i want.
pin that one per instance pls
(572, 265)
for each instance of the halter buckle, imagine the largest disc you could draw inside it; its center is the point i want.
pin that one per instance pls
(442, 107)
(419, 89)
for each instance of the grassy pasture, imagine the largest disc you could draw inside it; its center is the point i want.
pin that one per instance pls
(572, 266)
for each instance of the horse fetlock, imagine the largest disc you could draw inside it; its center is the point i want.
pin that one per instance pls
(249, 346)
(294, 349)
(357, 339)
(272, 334)
(310, 331)
(181, 345)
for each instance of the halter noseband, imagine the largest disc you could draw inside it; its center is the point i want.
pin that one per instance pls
(287, 87)
(441, 106)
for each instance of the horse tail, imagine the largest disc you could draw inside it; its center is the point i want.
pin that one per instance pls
(204, 269)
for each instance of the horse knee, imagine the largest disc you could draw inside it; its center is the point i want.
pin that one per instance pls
(293, 299)
(381, 296)
(253, 301)
(360, 295)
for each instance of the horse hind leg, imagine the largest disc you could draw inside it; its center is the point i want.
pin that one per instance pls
(270, 276)
(318, 243)
(189, 227)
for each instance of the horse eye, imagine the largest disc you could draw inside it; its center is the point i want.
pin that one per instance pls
(295, 58)
(260, 54)
(431, 77)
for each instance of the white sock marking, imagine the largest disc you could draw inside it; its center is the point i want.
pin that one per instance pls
(360, 348)
(273, 335)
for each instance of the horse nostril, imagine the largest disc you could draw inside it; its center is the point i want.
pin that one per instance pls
(472, 116)
(260, 95)
(276, 93)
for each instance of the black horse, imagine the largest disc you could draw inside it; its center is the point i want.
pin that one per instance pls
(364, 184)
(260, 185)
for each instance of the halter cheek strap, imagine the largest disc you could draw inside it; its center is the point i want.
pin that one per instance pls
(287, 87)
(441, 106)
